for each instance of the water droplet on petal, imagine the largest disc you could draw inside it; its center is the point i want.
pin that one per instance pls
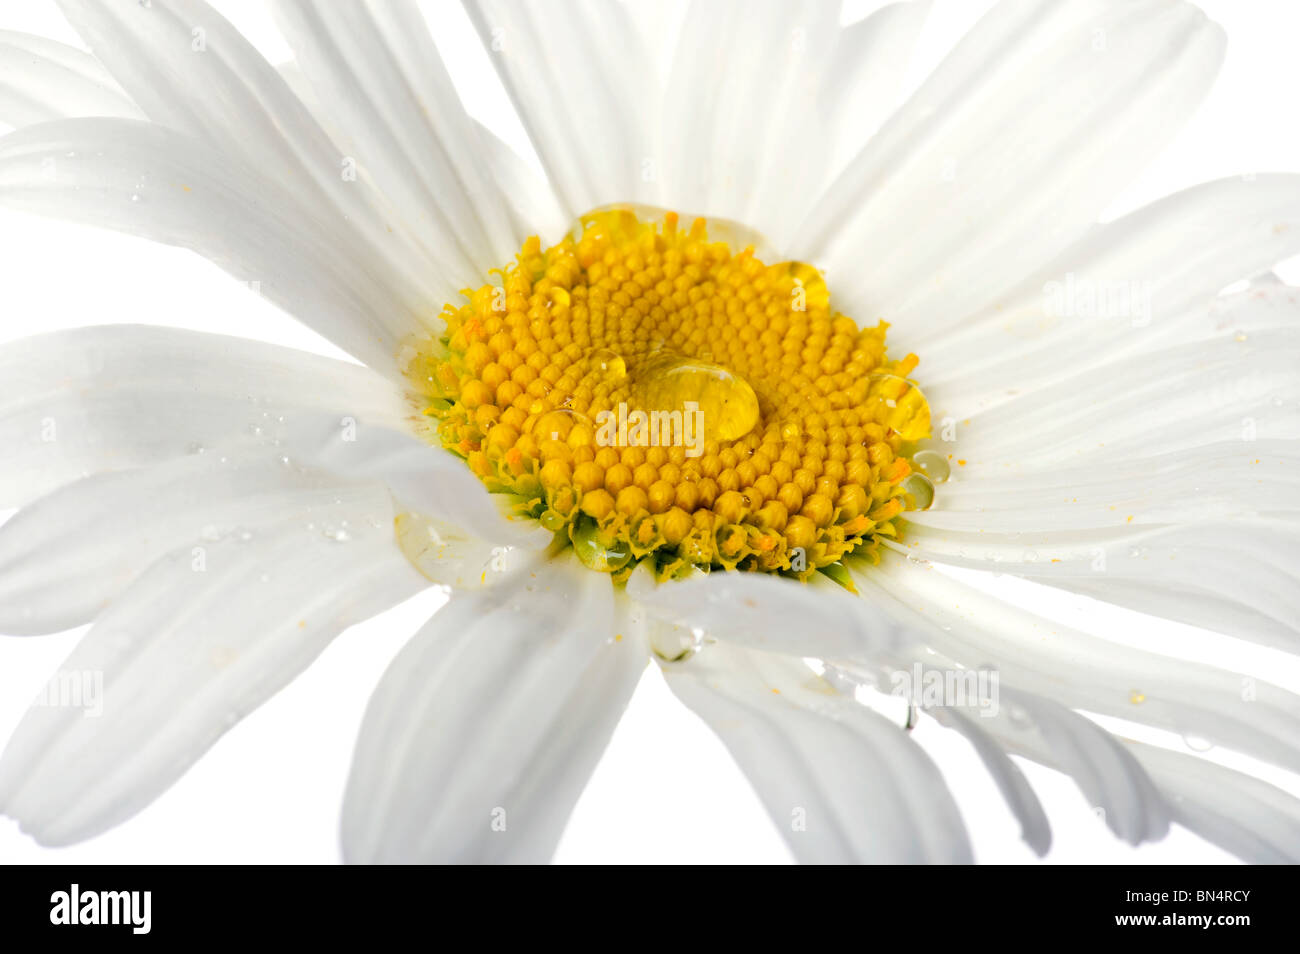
(595, 551)
(933, 464)
(1019, 717)
(920, 489)
(674, 643)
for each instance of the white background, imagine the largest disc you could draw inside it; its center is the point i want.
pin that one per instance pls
(667, 790)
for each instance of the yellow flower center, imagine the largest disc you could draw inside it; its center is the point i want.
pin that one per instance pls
(651, 394)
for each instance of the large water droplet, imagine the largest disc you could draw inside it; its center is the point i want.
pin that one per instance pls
(920, 488)
(673, 643)
(596, 551)
(933, 464)
(727, 406)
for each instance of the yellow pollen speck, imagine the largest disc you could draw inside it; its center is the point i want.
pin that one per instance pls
(649, 393)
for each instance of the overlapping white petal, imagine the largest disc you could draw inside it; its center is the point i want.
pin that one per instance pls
(841, 783)
(1108, 775)
(73, 403)
(1172, 493)
(818, 618)
(482, 734)
(1141, 283)
(151, 181)
(938, 216)
(1011, 782)
(376, 66)
(66, 557)
(975, 630)
(190, 70)
(735, 126)
(1254, 820)
(43, 79)
(593, 138)
(201, 639)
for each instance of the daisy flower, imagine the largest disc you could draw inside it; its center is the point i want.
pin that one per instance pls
(715, 394)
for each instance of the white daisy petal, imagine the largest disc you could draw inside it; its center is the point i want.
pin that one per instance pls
(114, 397)
(184, 654)
(765, 612)
(66, 557)
(864, 76)
(1241, 579)
(546, 58)
(1110, 778)
(377, 67)
(1143, 282)
(43, 79)
(1086, 672)
(1250, 478)
(534, 208)
(483, 732)
(1108, 490)
(422, 477)
(1257, 822)
(1180, 397)
(841, 783)
(1011, 782)
(190, 70)
(1007, 153)
(737, 127)
(150, 181)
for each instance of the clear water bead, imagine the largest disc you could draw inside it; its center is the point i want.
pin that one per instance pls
(921, 489)
(933, 464)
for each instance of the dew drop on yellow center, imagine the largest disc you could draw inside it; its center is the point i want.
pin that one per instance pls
(649, 393)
